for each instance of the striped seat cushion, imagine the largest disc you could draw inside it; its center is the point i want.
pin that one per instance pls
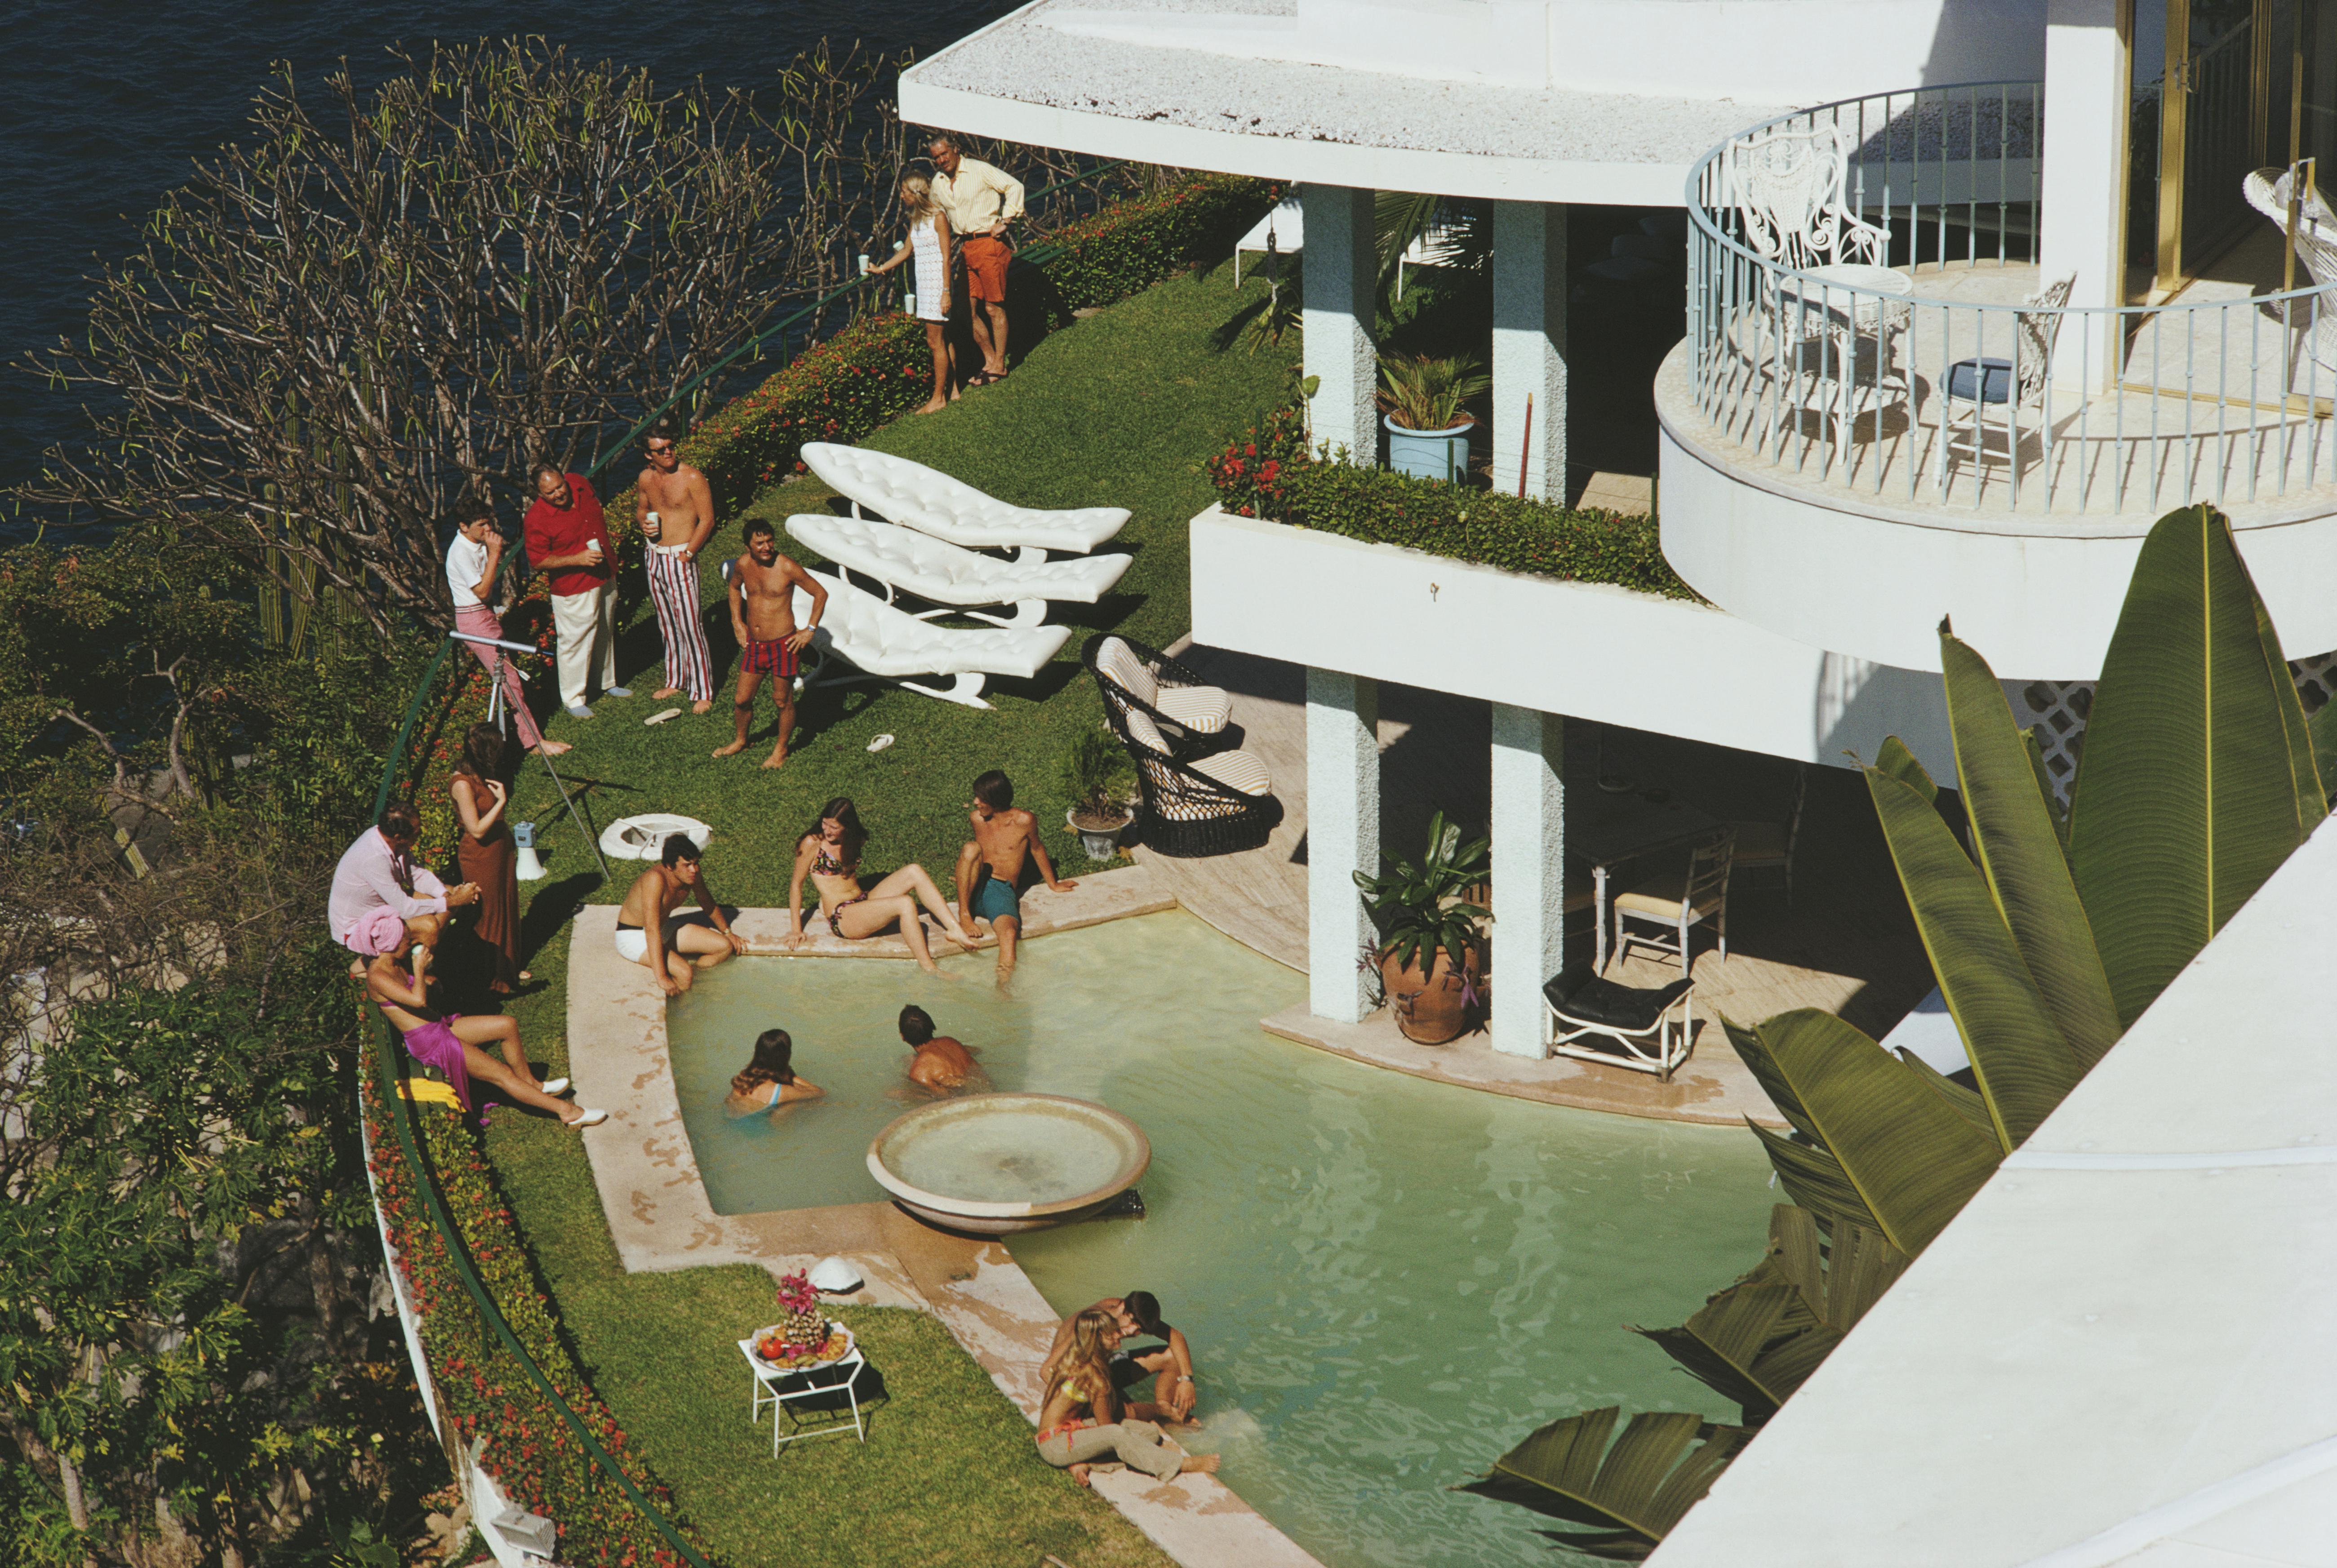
(1144, 731)
(1203, 709)
(1237, 770)
(1119, 661)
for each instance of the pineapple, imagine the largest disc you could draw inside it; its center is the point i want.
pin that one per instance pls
(805, 1327)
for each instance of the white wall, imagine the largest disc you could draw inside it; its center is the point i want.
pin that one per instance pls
(1582, 650)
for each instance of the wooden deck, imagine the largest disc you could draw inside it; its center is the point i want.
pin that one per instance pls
(1846, 945)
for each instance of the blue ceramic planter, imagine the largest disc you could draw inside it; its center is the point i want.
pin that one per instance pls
(1430, 453)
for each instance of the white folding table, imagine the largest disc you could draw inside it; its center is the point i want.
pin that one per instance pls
(769, 1390)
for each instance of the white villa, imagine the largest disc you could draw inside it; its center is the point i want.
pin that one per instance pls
(1944, 355)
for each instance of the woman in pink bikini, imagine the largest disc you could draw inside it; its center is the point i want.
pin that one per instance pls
(829, 854)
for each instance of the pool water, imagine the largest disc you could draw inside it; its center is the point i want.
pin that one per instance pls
(1386, 1281)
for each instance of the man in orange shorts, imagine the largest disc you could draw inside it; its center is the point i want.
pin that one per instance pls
(980, 201)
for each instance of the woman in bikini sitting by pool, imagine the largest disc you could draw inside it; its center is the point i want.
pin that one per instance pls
(1081, 1419)
(829, 854)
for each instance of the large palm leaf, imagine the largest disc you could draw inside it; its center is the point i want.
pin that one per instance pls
(1633, 1494)
(2019, 849)
(1910, 1158)
(2190, 791)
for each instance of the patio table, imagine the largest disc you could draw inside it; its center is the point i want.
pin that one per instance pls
(771, 1385)
(1608, 829)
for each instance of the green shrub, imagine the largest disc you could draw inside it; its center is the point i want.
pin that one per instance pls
(1270, 473)
(1133, 244)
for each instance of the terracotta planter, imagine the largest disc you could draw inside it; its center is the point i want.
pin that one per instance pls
(1434, 1007)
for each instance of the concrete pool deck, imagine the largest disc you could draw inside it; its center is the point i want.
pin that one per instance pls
(660, 1218)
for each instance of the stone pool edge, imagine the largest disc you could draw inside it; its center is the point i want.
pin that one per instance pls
(661, 1218)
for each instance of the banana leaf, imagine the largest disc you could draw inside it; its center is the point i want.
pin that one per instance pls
(1632, 1496)
(1900, 763)
(2312, 798)
(1734, 1342)
(2321, 729)
(1813, 1178)
(2188, 793)
(2020, 854)
(2016, 1050)
(1966, 1102)
(2053, 806)
(1912, 1160)
(1841, 1282)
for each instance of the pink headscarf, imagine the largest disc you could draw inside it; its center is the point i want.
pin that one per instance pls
(379, 931)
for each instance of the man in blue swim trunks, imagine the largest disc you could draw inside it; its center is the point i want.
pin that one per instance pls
(990, 869)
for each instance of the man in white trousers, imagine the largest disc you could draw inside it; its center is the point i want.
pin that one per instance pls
(568, 541)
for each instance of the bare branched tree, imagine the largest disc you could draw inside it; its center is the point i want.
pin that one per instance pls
(379, 305)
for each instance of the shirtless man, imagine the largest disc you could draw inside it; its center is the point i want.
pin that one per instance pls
(676, 495)
(989, 868)
(942, 1061)
(650, 934)
(763, 616)
(1138, 1312)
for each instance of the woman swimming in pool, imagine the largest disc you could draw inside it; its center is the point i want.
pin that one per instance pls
(1081, 1419)
(829, 854)
(769, 1080)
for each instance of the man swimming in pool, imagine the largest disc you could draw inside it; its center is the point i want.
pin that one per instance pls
(941, 1061)
(651, 935)
(1138, 1312)
(989, 868)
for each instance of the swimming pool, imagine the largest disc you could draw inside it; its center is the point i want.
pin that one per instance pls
(1386, 1281)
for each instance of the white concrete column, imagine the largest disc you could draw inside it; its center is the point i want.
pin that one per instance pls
(1529, 853)
(1530, 346)
(2084, 187)
(1342, 836)
(1341, 277)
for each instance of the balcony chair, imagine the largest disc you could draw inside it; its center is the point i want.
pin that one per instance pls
(1769, 846)
(931, 502)
(1213, 805)
(1184, 711)
(2315, 240)
(1976, 384)
(901, 559)
(1676, 903)
(1645, 1037)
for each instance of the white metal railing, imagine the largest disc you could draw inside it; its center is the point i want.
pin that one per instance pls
(1901, 343)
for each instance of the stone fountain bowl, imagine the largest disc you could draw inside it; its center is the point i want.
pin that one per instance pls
(998, 1164)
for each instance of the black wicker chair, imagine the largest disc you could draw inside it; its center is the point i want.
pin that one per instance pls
(1186, 739)
(1188, 814)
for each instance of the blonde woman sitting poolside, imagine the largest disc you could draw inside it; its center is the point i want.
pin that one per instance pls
(769, 1080)
(1080, 1420)
(829, 854)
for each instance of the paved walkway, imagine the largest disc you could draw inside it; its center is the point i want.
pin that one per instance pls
(1846, 945)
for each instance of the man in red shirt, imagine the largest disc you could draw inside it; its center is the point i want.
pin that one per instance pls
(568, 541)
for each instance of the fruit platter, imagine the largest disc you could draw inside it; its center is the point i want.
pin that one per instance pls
(776, 1350)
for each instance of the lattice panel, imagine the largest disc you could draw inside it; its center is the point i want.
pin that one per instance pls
(2059, 708)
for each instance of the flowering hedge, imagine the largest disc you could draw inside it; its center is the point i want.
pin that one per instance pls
(1270, 472)
(1137, 243)
(530, 1452)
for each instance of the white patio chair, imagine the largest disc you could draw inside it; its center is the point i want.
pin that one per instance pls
(931, 502)
(1675, 903)
(888, 644)
(902, 560)
(1977, 385)
(1639, 1022)
(2315, 240)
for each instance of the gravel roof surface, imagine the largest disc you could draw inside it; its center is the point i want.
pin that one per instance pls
(1024, 60)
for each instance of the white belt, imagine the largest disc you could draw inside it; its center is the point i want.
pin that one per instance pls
(668, 549)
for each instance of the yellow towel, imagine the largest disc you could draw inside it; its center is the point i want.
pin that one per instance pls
(431, 1091)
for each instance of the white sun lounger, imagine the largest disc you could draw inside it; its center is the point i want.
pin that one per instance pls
(933, 569)
(888, 644)
(931, 502)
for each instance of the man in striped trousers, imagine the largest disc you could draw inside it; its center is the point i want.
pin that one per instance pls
(675, 511)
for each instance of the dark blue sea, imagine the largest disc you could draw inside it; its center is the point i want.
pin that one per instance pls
(105, 105)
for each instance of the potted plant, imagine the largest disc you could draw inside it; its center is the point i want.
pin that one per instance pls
(1099, 779)
(1428, 432)
(1431, 937)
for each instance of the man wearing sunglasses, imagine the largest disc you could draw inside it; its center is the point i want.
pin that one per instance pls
(675, 510)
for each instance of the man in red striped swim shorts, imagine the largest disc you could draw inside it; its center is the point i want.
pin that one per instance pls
(763, 584)
(675, 510)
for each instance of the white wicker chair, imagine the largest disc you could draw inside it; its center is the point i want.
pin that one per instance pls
(1790, 189)
(1973, 385)
(2315, 240)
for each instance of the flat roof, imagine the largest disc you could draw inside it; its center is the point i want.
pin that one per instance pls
(2117, 1352)
(1025, 80)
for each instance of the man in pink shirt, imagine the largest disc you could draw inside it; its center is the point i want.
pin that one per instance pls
(568, 541)
(378, 871)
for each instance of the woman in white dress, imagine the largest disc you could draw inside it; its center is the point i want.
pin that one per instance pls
(929, 241)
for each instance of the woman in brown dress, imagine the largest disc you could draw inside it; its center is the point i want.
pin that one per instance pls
(488, 857)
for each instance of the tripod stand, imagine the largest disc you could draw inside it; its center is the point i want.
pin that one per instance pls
(496, 716)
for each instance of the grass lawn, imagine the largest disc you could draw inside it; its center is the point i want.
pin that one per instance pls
(1122, 408)
(1119, 409)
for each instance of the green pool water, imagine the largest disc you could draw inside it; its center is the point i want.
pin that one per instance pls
(1386, 1281)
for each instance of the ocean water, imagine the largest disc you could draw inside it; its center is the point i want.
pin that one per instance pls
(1387, 1281)
(105, 104)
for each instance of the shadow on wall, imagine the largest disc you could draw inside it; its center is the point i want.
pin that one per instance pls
(1858, 703)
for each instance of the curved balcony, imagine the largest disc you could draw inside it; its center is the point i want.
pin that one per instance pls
(1885, 411)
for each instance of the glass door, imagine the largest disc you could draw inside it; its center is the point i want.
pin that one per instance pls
(2207, 106)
